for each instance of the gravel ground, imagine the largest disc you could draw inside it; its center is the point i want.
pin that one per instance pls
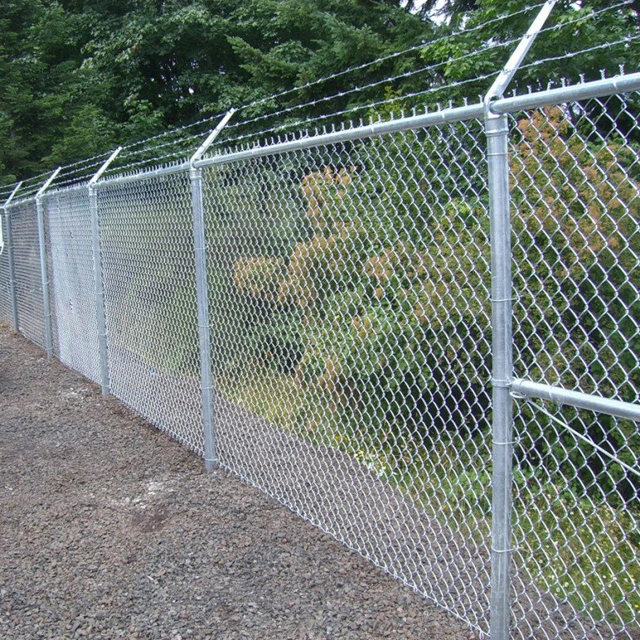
(109, 529)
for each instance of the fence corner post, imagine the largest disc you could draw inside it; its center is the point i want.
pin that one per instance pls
(44, 273)
(202, 293)
(101, 321)
(10, 259)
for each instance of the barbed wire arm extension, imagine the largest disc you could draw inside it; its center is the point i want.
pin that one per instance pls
(4, 211)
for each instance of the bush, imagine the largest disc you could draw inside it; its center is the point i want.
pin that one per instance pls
(577, 281)
(380, 332)
(380, 308)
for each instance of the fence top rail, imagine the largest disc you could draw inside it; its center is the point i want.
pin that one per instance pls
(48, 194)
(18, 202)
(595, 89)
(116, 180)
(455, 114)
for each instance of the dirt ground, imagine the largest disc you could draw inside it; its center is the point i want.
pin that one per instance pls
(109, 529)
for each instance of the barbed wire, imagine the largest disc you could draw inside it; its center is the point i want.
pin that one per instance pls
(394, 55)
(30, 185)
(84, 161)
(79, 166)
(85, 171)
(173, 130)
(74, 172)
(338, 74)
(424, 69)
(154, 162)
(307, 122)
(384, 81)
(572, 54)
(170, 143)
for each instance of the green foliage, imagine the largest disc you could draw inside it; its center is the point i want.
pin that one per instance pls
(80, 76)
(378, 309)
(577, 249)
(571, 27)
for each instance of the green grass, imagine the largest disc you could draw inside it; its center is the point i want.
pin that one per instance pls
(583, 552)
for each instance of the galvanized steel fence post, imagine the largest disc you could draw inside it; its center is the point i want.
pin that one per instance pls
(10, 259)
(497, 142)
(200, 244)
(48, 333)
(497, 131)
(97, 274)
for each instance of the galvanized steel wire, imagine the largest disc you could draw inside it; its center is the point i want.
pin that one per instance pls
(348, 323)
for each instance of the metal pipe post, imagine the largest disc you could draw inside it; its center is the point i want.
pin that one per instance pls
(202, 291)
(97, 275)
(501, 326)
(15, 321)
(206, 385)
(497, 130)
(44, 274)
(10, 260)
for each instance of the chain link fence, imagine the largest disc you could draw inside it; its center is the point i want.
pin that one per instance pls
(576, 205)
(5, 278)
(332, 271)
(28, 274)
(72, 289)
(348, 291)
(150, 302)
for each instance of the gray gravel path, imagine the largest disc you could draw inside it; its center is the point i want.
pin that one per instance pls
(109, 529)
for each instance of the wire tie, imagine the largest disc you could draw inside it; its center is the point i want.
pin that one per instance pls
(509, 299)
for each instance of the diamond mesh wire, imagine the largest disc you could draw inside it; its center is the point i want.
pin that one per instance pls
(72, 286)
(576, 196)
(5, 289)
(26, 252)
(349, 307)
(350, 344)
(150, 302)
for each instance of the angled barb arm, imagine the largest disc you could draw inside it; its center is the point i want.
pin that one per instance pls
(4, 210)
(104, 167)
(202, 149)
(45, 186)
(506, 75)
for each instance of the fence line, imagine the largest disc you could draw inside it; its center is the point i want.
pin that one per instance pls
(315, 315)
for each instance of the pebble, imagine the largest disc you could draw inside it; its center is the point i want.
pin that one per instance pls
(88, 550)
